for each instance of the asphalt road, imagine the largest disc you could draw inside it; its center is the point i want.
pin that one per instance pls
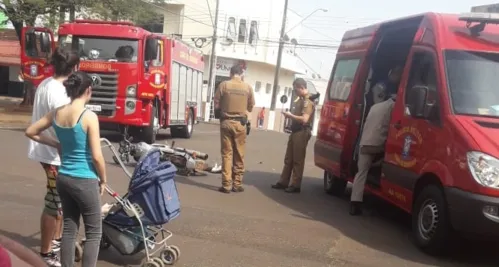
(260, 227)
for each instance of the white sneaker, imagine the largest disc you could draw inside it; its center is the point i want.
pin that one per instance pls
(56, 245)
(217, 168)
(51, 259)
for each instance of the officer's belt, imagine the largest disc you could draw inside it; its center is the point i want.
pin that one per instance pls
(300, 128)
(240, 119)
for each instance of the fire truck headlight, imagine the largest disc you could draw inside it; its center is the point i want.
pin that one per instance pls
(131, 91)
(484, 168)
(129, 106)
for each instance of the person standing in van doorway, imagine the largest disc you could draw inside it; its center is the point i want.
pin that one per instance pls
(382, 90)
(372, 143)
(301, 131)
(234, 99)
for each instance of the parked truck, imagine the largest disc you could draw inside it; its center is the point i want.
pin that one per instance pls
(141, 80)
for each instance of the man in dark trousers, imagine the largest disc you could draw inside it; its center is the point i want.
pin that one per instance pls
(301, 131)
(234, 99)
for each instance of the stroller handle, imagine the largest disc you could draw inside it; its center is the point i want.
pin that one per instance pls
(109, 145)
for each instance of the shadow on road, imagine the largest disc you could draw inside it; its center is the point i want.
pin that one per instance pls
(29, 241)
(314, 205)
(379, 218)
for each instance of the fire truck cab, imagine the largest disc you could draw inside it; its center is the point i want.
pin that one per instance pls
(141, 81)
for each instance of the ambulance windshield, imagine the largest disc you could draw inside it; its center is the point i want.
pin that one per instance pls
(472, 80)
(102, 49)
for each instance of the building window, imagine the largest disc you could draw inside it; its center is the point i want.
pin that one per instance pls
(268, 88)
(258, 85)
(253, 37)
(242, 31)
(231, 29)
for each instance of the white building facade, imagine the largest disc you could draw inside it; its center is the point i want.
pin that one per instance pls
(248, 34)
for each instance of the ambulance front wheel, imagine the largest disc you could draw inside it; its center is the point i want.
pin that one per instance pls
(334, 185)
(430, 222)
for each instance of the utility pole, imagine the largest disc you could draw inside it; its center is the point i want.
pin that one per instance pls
(213, 60)
(278, 67)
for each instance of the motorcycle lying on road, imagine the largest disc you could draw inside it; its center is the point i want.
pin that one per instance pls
(188, 162)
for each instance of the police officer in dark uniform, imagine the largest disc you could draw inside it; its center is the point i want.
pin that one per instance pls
(301, 131)
(233, 100)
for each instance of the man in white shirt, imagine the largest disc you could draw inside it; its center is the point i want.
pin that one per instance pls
(372, 142)
(50, 95)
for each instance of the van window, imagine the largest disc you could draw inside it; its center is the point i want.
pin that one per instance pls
(423, 73)
(471, 78)
(342, 79)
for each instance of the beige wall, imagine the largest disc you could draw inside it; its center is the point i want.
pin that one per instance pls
(173, 21)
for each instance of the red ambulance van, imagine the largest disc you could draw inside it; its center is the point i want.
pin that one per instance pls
(441, 159)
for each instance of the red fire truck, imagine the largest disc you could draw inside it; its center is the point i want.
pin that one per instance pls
(141, 81)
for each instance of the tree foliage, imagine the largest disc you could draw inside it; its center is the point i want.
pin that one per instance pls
(21, 12)
(138, 11)
(25, 12)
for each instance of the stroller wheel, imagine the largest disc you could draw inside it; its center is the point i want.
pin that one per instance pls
(177, 251)
(159, 261)
(152, 263)
(104, 243)
(78, 252)
(168, 256)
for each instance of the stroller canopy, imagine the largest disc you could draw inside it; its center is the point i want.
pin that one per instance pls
(150, 169)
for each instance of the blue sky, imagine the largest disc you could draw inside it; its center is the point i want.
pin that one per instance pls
(328, 28)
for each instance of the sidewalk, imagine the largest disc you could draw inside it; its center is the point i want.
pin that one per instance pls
(13, 116)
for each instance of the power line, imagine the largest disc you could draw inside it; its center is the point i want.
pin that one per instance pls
(171, 12)
(308, 66)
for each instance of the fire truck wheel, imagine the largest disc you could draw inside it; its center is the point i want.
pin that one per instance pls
(184, 131)
(430, 224)
(333, 185)
(149, 133)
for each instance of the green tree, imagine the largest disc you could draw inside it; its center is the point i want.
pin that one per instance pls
(139, 11)
(25, 12)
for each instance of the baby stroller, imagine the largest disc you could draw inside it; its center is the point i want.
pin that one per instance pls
(135, 222)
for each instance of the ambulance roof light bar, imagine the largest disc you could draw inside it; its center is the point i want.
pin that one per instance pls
(481, 19)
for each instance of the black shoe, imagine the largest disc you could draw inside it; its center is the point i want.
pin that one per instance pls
(292, 189)
(224, 190)
(355, 208)
(278, 186)
(237, 189)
